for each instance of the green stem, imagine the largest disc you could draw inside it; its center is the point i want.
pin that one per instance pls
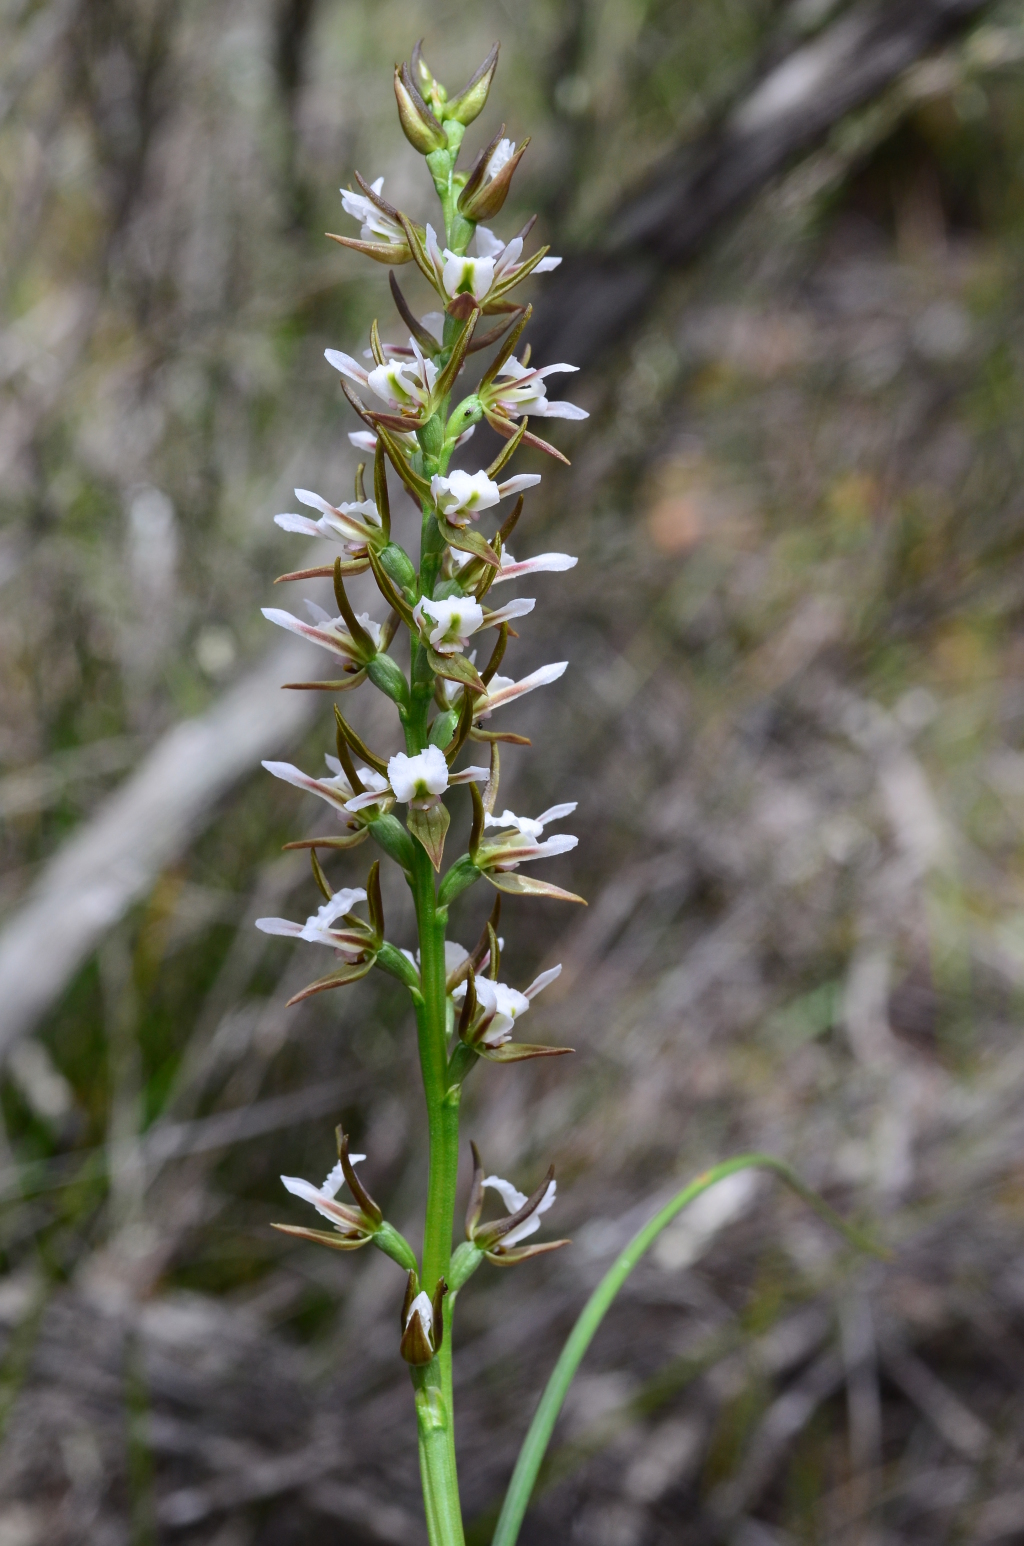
(524, 1477)
(434, 1399)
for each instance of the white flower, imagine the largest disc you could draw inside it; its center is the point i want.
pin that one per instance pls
(322, 1196)
(504, 689)
(335, 790)
(418, 781)
(462, 495)
(405, 384)
(448, 625)
(330, 632)
(514, 1200)
(520, 844)
(517, 390)
(354, 524)
(376, 224)
(500, 1006)
(420, 777)
(544, 563)
(494, 263)
(317, 930)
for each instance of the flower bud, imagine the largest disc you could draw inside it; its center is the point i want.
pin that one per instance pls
(422, 1322)
(471, 99)
(490, 178)
(395, 561)
(419, 125)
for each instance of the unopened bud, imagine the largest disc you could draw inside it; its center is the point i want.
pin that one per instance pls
(471, 99)
(422, 1322)
(419, 125)
(395, 561)
(490, 179)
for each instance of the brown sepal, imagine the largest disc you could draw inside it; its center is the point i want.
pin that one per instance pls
(322, 1237)
(358, 745)
(381, 252)
(518, 1253)
(350, 840)
(359, 1192)
(340, 979)
(475, 1205)
(320, 877)
(520, 1052)
(326, 571)
(427, 342)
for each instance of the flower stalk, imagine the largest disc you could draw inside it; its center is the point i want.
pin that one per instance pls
(415, 425)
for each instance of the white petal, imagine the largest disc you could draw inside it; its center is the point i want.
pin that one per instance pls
(563, 843)
(278, 926)
(346, 365)
(522, 480)
(305, 496)
(298, 523)
(518, 608)
(512, 1198)
(556, 812)
(558, 410)
(543, 981)
(469, 776)
(544, 563)
(363, 440)
(304, 1189)
(546, 265)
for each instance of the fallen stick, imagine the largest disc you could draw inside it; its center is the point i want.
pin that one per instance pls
(114, 858)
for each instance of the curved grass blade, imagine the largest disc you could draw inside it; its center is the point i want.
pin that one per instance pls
(538, 1437)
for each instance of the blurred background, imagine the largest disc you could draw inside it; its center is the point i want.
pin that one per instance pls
(794, 721)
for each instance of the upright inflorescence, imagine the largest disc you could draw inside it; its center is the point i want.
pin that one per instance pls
(413, 422)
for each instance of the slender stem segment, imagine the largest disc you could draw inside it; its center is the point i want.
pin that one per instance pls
(524, 1477)
(434, 1404)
